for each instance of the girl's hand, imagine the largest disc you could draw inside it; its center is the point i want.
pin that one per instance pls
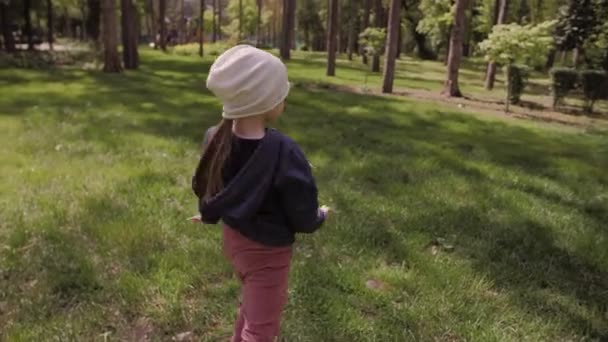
(196, 219)
(325, 210)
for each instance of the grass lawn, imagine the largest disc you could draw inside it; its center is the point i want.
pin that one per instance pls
(451, 226)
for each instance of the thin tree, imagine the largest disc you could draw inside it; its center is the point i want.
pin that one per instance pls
(181, 35)
(289, 9)
(49, 23)
(379, 23)
(28, 24)
(451, 84)
(394, 25)
(219, 19)
(332, 28)
(151, 18)
(500, 17)
(110, 37)
(93, 21)
(213, 24)
(351, 40)
(366, 10)
(130, 54)
(240, 19)
(201, 29)
(9, 41)
(258, 29)
(162, 9)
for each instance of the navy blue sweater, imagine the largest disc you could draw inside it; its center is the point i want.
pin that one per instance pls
(269, 198)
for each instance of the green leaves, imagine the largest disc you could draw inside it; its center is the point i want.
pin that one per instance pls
(373, 38)
(438, 17)
(514, 43)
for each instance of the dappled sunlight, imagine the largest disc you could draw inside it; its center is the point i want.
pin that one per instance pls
(446, 222)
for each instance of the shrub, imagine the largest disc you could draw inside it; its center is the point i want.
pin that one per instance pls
(517, 76)
(563, 80)
(594, 84)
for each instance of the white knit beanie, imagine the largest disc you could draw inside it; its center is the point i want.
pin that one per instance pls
(248, 81)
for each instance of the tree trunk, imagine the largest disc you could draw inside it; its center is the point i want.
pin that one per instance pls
(550, 59)
(9, 41)
(288, 28)
(351, 31)
(421, 49)
(366, 11)
(332, 28)
(258, 29)
(93, 21)
(501, 18)
(181, 25)
(394, 26)
(130, 55)
(338, 29)
(110, 37)
(28, 24)
(213, 23)
(379, 23)
(451, 84)
(240, 19)
(201, 29)
(275, 24)
(162, 9)
(219, 19)
(153, 21)
(83, 32)
(576, 56)
(49, 23)
(399, 39)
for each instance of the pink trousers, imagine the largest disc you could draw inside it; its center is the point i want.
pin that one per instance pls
(263, 272)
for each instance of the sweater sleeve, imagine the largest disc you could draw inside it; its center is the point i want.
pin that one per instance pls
(298, 192)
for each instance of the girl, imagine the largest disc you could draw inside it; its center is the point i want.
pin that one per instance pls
(258, 182)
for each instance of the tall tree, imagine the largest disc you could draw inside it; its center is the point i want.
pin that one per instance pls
(93, 20)
(49, 23)
(151, 17)
(7, 34)
(219, 19)
(258, 26)
(201, 29)
(28, 24)
(162, 10)
(213, 24)
(366, 12)
(394, 26)
(287, 32)
(352, 39)
(501, 8)
(110, 37)
(332, 28)
(130, 54)
(451, 84)
(240, 19)
(379, 23)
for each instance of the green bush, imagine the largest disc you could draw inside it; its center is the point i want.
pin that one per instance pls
(563, 80)
(191, 49)
(517, 76)
(594, 84)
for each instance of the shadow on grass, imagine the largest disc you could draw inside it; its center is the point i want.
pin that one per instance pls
(519, 253)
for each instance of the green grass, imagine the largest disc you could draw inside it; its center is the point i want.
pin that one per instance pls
(94, 196)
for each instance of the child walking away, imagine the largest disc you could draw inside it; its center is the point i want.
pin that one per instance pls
(258, 183)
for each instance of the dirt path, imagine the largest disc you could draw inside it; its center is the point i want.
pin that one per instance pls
(534, 112)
